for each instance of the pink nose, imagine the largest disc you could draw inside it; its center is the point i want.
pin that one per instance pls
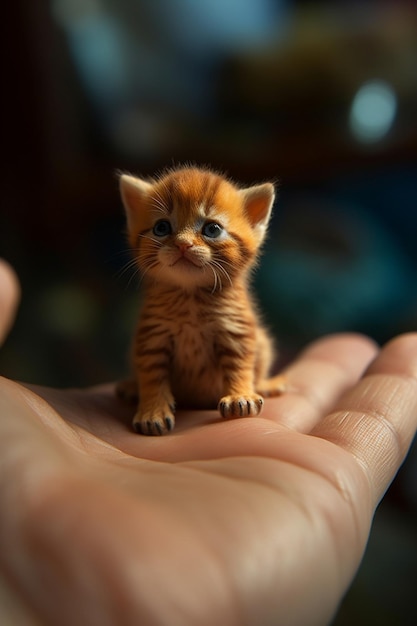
(183, 245)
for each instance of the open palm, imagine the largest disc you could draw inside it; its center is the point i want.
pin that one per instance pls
(246, 521)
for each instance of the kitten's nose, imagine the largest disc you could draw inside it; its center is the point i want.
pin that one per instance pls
(183, 245)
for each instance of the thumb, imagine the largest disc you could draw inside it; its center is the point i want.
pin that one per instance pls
(9, 298)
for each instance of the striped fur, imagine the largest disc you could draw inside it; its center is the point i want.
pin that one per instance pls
(199, 344)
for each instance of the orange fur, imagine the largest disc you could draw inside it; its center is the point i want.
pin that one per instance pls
(195, 237)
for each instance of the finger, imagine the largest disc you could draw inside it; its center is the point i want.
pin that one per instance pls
(318, 377)
(315, 381)
(9, 298)
(376, 420)
(29, 429)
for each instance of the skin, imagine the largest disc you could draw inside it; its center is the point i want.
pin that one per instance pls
(258, 520)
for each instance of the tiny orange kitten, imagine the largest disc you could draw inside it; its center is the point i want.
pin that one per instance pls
(199, 343)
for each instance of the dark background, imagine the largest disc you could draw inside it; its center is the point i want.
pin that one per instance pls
(320, 96)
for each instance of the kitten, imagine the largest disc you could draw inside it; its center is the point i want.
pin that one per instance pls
(199, 343)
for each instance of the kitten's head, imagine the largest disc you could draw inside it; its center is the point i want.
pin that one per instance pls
(193, 228)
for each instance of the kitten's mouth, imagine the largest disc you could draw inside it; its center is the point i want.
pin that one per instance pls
(185, 262)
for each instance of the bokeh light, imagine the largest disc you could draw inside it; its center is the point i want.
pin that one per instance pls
(373, 111)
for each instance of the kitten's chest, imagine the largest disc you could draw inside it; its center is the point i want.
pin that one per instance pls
(193, 336)
(195, 375)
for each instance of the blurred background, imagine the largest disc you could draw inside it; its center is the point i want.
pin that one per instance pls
(318, 96)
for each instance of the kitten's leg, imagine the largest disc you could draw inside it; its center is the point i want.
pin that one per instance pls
(152, 352)
(240, 399)
(155, 414)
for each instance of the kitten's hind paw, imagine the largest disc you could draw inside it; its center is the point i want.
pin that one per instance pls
(241, 406)
(270, 387)
(156, 423)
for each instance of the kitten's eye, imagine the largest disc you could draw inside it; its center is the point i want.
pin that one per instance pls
(162, 228)
(212, 230)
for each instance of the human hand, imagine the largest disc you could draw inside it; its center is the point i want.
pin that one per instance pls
(248, 521)
(9, 298)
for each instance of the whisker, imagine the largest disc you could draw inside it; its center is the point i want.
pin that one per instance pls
(140, 264)
(130, 267)
(222, 270)
(156, 241)
(222, 261)
(152, 265)
(133, 276)
(131, 264)
(155, 265)
(159, 203)
(215, 279)
(120, 253)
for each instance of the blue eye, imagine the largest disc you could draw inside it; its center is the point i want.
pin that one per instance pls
(212, 230)
(162, 228)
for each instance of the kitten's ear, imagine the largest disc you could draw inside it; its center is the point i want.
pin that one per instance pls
(258, 201)
(134, 192)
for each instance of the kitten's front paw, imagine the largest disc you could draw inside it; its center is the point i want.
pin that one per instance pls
(158, 421)
(241, 406)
